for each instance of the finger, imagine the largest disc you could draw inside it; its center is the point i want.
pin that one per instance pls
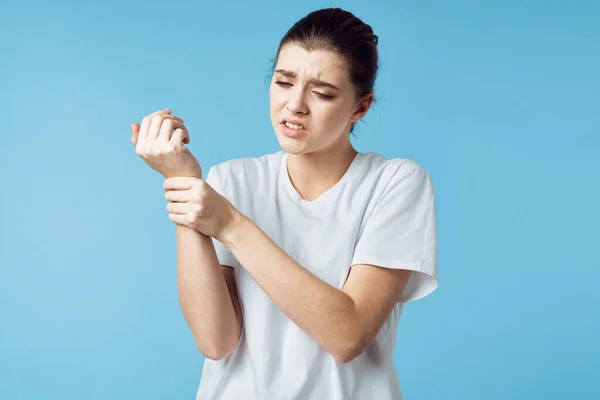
(155, 126)
(148, 119)
(179, 219)
(153, 129)
(166, 129)
(171, 117)
(180, 136)
(179, 183)
(178, 195)
(135, 131)
(178, 208)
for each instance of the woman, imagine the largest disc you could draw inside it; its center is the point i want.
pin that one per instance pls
(293, 267)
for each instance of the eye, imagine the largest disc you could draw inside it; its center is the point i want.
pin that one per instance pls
(281, 83)
(324, 96)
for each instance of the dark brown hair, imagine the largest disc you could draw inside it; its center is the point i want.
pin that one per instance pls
(340, 31)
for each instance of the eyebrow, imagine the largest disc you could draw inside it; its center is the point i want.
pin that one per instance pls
(313, 81)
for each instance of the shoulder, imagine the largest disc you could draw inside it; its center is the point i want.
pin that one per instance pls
(387, 170)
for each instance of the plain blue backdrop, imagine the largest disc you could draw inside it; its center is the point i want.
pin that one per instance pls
(498, 100)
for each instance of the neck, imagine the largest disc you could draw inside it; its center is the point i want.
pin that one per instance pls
(312, 174)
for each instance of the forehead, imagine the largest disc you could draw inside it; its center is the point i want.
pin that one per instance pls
(318, 64)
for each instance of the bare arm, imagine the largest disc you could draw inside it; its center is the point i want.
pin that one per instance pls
(207, 294)
(343, 322)
(207, 291)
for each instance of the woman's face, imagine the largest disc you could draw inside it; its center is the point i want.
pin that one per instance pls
(311, 90)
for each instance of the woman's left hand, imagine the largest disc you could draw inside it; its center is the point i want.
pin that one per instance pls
(195, 204)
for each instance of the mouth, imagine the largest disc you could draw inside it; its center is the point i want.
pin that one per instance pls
(293, 124)
(292, 128)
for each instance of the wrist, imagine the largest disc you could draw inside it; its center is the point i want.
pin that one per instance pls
(236, 221)
(191, 174)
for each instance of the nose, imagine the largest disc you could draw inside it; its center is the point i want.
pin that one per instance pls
(296, 101)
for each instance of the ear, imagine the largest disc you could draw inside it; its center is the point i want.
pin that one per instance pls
(362, 107)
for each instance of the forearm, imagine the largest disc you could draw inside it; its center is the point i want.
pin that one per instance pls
(325, 313)
(203, 294)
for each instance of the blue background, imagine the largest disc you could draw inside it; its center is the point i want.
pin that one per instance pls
(499, 101)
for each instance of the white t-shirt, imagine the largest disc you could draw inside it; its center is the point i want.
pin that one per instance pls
(381, 212)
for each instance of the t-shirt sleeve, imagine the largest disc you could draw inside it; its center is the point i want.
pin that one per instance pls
(401, 232)
(224, 256)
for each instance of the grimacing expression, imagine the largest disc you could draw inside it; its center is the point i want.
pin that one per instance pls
(313, 89)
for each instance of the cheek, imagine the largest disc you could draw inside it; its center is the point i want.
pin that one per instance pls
(331, 117)
(275, 107)
(275, 99)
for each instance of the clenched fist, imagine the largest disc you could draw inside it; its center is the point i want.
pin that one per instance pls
(161, 148)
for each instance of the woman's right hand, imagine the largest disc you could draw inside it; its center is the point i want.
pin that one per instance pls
(161, 148)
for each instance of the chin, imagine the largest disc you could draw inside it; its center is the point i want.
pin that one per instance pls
(291, 147)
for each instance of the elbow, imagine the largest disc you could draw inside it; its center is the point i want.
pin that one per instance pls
(215, 354)
(346, 356)
(349, 350)
(218, 350)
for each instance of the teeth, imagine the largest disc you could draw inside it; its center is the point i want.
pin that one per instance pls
(294, 126)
